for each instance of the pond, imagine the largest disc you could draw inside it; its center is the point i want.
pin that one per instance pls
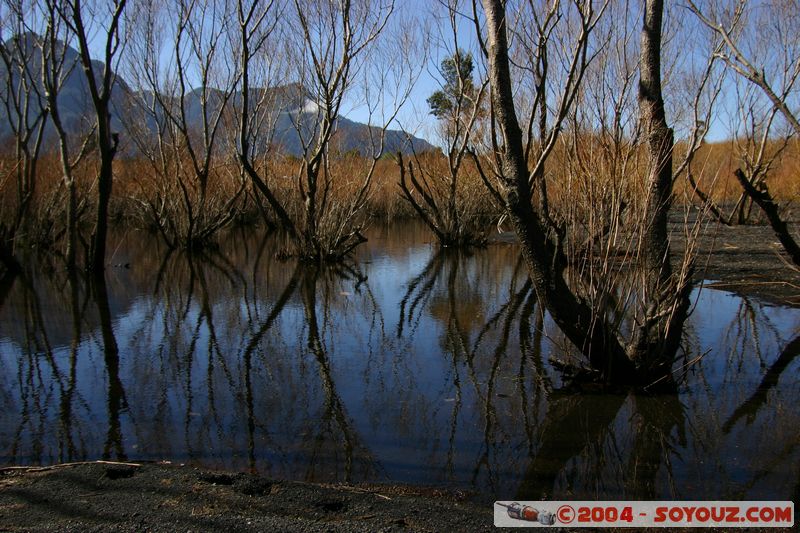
(410, 366)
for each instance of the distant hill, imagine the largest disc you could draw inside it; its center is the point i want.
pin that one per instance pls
(295, 110)
(75, 103)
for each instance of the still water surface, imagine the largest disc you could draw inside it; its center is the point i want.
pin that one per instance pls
(411, 367)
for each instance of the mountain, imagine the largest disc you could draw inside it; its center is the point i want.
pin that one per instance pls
(295, 109)
(74, 100)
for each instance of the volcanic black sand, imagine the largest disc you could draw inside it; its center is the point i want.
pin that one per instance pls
(747, 260)
(99, 497)
(161, 497)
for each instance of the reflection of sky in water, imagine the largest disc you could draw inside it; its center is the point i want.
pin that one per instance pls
(741, 453)
(423, 373)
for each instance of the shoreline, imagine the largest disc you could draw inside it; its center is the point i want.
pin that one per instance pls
(113, 496)
(117, 496)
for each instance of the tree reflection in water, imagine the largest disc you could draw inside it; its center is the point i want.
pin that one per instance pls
(334, 437)
(415, 366)
(113, 447)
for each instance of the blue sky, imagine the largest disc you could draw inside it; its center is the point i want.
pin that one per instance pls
(415, 116)
(427, 23)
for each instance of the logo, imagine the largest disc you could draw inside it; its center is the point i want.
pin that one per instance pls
(665, 514)
(529, 514)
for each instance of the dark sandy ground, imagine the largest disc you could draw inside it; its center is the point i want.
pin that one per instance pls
(160, 497)
(138, 497)
(747, 260)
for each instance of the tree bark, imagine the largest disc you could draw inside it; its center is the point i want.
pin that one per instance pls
(541, 249)
(105, 179)
(659, 142)
(665, 300)
(101, 99)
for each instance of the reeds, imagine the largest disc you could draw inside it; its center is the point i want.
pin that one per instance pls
(589, 188)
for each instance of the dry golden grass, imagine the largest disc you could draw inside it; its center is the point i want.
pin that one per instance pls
(582, 176)
(716, 162)
(45, 218)
(589, 173)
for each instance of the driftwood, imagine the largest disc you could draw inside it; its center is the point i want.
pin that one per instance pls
(64, 465)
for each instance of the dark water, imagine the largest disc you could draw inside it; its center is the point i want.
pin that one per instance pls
(413, 367)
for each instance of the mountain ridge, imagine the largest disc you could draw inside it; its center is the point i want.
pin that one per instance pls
(76, 111)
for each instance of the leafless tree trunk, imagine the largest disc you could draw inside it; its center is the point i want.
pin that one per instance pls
(27, 115)
(100, 84)
(657, 335)
(644, 354)
(659, 143)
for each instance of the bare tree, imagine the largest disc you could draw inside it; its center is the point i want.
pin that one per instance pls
(259, 105)
(100, 81)
(27, 114)
(542, 253)
(56, 69)
(764, 51)
(184, 202)
(641, 352)
(333, 61)
(440, 193)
